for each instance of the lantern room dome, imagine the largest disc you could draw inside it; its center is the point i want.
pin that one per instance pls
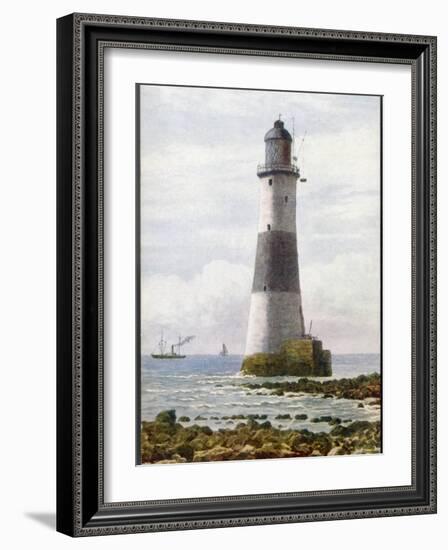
(278, 132)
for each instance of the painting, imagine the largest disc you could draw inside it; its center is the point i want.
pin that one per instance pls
(259, 273)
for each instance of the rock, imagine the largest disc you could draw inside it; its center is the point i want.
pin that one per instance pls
(335, 451)
(210, 455)
(161, 435)
(246, 452)
(297, 357)
(296, 442)
(301, 416)
(166, 417)
(164, 425)
(355, 428)
(303, 449)
(268, 450)
(265, 425)
(184, 419)
(335, 421)
(199, 443)
(361, 387)
(322, 419)
(178, 458)
(360, 405)
(206, 430)
(283, 417)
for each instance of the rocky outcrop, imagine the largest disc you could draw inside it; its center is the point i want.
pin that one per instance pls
(301, 357)
(362, 387)
(164, 440)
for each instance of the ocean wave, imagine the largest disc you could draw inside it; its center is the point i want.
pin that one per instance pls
(189, 399)
(193, 390)
(250, 404)
(184, 376)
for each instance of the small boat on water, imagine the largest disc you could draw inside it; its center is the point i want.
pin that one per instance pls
(173, 354)
(224, 351)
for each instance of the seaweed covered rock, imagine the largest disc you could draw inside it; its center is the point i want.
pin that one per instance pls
(362, 387)
(165, 422)
(166, 417)
(166, 441)
(300, 357)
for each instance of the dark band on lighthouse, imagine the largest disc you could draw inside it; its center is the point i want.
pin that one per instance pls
(276, 266)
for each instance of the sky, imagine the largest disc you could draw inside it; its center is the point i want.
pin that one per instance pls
(199, 150)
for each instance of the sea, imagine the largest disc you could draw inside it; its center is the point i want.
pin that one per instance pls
(207, 388)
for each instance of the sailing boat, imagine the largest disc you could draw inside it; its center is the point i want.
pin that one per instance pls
(224, 351)
(172, 354)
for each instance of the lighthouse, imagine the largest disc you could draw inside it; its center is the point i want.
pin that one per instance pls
(276, 342)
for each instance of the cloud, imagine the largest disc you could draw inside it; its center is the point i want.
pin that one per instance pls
(342, 297)
(213, 305)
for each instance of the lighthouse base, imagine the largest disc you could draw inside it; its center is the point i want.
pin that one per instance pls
(301, 357)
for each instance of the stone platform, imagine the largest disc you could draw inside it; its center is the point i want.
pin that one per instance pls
(301, 357)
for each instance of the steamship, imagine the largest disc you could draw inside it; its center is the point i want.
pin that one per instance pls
(175, 348)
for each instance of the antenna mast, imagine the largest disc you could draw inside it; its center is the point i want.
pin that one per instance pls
(302, 143)
(294, 156)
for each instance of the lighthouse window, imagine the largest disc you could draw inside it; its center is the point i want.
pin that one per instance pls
(269, 226)
(286, 199)
(264, 288)
(270, 181)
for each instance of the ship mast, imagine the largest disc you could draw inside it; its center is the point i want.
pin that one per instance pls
(162, 344)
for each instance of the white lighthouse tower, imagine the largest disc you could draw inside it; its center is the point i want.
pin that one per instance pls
(276, 305)
(276, 341)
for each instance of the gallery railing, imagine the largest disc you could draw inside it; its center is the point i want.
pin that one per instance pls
(265, 169)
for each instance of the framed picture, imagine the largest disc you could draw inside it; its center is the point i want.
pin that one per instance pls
(246, 274)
